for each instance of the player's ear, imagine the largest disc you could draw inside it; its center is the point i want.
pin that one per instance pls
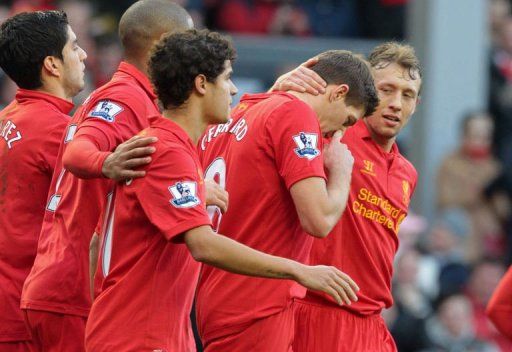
(339, 92)
(51, 66)
(200, 84)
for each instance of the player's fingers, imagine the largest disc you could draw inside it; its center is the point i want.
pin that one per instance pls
(343, 290)
(311, 86)
(348, 291)
(127, 174)
(346, 278)
(338, 134)
(310, 62)
(289, 84)
(136, 162)
(138, 152)
(143, 141)
(334, 294)
(315, 80)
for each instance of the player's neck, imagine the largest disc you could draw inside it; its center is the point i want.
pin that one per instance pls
(140, 64)
(384, 143)
(55, 89)
(310, 99)
(190, 118)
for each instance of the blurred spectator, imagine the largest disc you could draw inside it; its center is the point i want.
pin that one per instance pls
(411, 305)
(483, 281)
(281, 17)
(499, 195)
(382, 19)
(451, 328)
(442, 269)
(332, 18)
(500, 93)
(461, 179)
(499, 10)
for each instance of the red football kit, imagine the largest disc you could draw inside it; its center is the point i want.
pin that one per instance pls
(363, 245)
(499, 308)
(147, 296)
(271, 142)
(59, 280)
(31, 128)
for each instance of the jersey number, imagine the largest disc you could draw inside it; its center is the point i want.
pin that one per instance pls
(216, 171)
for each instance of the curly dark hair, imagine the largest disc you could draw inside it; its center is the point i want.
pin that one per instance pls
(344, 67)
(180, 57)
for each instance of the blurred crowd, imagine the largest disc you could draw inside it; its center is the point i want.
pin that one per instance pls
(447, 268)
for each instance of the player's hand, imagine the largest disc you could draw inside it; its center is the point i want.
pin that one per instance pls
(301, 79)
(338, 159)
(215, 195)
(330, 280)
(129, 155)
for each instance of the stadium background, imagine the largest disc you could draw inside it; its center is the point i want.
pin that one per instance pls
(458, 241)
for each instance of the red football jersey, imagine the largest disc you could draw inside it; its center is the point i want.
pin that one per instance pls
(31, 129)
(364, 242)
(59, 280)
(499, 308)
(147, 296)
(271, 142)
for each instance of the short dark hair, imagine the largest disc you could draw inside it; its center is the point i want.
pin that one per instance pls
(180, 57)
(344, 67)
(26, 39)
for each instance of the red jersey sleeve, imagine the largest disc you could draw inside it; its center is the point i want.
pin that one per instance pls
(172, 193)
(296, 140)
(499, 308)
(112, 122)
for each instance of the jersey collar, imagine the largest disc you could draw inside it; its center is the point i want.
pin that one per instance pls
(363, 132)
(171, 126)
(27, 95)
(140, 77)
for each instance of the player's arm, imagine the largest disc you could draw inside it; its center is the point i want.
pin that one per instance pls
(227, 254)
(86, 157)
(499, 309)
(319, 203)
(97, 148)
(94, 248)
(301, 79)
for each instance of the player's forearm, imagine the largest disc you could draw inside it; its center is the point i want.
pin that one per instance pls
(338, 189)
(84, 159)
(227, 254)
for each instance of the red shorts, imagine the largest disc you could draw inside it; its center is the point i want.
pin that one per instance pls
(18, 346)
(321, 328)
(55, 332)
(274, 333)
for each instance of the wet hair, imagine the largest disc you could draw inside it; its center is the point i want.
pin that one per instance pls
(26, 39)
(180, 57)
(344, 67)
(401, 54)
(146, 20)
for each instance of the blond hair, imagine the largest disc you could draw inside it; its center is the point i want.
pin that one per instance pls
(401, 54)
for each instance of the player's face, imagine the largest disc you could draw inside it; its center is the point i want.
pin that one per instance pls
(339, 116)
(73, 66)
(219, 96)
(398, 95)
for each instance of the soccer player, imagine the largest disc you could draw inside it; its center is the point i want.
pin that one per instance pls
(499, 309)
(269, 157)
(364, 242)
(56, 294)
(39, 52)
(158, 219)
